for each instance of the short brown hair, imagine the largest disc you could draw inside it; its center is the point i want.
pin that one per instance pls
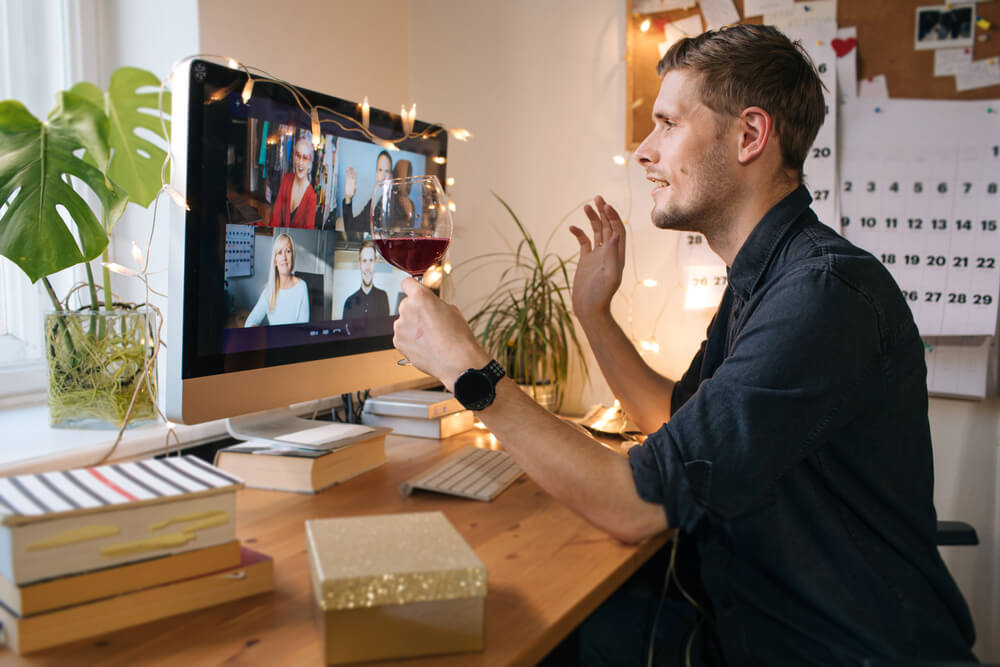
(755, 65)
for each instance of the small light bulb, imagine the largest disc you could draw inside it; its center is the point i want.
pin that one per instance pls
(115, 267)
(365, 111)
(314, 117)
(649, 282)
(451, 206)
(460, 134)
(619, 160)
(450, 181)
(171, 426)
(137, 255)
(247, 90)
(644, 26)
(439, 160)
(233, 64)
(177, 197)
(447, 268)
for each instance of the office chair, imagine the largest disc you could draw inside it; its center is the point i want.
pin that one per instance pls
(314, 282)
(949, 533)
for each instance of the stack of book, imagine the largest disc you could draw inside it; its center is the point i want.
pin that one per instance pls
(279, 466)
(89, 551)
(421, 413)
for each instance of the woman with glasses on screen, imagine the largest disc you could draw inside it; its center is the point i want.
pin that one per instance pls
(285, 298)
(295, 205)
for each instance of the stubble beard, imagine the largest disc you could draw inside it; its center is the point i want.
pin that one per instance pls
(707, 212)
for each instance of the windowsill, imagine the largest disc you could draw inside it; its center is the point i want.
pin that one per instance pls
(30, 445)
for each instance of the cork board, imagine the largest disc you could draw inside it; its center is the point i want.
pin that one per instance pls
(885, 46)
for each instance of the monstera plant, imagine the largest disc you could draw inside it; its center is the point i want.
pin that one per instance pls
(90, 145)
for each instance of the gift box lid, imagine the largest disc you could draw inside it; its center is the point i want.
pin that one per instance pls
(390, 559)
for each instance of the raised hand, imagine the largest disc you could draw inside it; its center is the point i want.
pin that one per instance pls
(599, 270)
(350, 184)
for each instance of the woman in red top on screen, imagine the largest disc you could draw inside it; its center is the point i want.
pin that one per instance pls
(295, 205)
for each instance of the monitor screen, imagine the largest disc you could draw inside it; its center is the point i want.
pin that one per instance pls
(273, 274)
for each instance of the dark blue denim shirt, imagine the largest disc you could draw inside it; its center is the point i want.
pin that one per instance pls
(798, 458)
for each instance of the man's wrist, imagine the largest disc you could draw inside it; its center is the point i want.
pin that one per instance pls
(471, 359)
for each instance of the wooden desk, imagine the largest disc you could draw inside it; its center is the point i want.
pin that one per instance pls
(548, 569)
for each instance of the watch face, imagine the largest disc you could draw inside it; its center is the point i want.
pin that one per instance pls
(474, 390)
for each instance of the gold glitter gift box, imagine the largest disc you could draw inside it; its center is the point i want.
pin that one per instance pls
(394, 586)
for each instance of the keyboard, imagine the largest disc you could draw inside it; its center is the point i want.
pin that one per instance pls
(471, 472)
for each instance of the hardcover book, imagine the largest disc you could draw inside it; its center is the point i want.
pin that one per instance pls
(89, 586)
(59, 523)
(418, 403)
(261, 465)
(437, 427)
(254, 574)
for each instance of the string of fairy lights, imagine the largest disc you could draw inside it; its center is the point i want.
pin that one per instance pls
(359, 124)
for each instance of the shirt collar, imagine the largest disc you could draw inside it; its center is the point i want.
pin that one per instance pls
(754, 256)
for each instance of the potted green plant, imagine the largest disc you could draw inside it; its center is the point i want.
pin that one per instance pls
(526, 323)
(99, 353)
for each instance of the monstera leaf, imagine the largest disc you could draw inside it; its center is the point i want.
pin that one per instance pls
(36, 163)
(135, 161)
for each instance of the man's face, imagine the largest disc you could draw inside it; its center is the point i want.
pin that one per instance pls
(688, 157)
(367, 267)
(383, 169)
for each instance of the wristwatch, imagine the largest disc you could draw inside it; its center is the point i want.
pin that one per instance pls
(476, 389)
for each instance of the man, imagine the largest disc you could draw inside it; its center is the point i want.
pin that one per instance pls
(794, 453)
(368, 301)
(357, 225)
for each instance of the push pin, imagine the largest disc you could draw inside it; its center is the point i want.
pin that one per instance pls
(878, 109)
(989, 109)
(982, 37)
(983, 24)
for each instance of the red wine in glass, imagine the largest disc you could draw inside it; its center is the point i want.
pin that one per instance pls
(413, 254)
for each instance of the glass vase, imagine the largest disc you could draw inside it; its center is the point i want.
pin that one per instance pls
(99, 360)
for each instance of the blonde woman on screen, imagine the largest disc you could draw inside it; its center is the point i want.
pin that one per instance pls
(285, 298)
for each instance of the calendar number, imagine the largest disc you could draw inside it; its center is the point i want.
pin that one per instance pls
(888, 258)
(847, 186)
(694, 239)
(935, 260)
(918, 187)
(894, 187)
(821, 195)
(991, 188)
(942, 188)
(986, 263)
(939, 224)
(956, 297)
(699, 282)
(871, 186)
(967, 188)
(720, 281)
(822, 152)
(989, 225)
(932, 297)
(910, 296)
(981, 299)
(868, 222)
(915, 223)
(960, 262)
(912, 260)
(963, 225)
(891, 223)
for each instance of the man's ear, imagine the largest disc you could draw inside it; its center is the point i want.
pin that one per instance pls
(756, 128)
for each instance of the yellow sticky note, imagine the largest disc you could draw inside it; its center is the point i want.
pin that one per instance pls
(983, 23)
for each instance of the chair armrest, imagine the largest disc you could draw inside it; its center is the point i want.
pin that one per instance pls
(950, 533)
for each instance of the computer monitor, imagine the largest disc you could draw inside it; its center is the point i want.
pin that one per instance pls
(273, 295)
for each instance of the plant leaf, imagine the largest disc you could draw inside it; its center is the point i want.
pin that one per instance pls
(135, 161)
(36, 161)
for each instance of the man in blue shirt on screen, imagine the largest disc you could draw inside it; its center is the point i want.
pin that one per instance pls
(793, 457)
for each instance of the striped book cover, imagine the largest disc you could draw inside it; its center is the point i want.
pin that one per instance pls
(27, 498)
(59, 523)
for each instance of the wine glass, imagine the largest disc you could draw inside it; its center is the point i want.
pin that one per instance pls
(411, 223)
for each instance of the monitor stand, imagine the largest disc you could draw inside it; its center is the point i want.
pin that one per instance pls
(283, 427)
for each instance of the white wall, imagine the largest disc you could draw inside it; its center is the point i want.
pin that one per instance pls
(541, 86)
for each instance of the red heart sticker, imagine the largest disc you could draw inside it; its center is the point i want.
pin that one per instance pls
(844, 46)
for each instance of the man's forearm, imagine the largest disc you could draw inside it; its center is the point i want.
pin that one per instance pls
(643, 393)
(587, 477)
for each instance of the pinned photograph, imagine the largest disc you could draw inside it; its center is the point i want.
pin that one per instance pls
(944, 26)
